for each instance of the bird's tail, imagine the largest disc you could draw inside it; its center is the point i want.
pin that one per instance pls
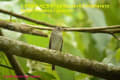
(53, 67)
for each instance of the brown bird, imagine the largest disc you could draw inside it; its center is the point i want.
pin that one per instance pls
(56, 41)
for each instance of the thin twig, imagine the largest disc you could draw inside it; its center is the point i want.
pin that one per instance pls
(50, 25)
(27, 18)
(115, 37)
(31, 29)
(5, 66)
(1, 65)
(106, 29)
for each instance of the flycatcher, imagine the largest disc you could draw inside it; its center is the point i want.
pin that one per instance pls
(56, 41)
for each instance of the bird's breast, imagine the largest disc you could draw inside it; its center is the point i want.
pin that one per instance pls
(56, 42)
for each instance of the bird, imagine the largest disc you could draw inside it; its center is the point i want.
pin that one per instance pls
(56, 41)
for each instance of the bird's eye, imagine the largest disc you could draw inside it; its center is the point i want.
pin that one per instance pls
(59, 28)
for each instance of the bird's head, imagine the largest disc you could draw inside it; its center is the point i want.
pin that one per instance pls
(59, 29)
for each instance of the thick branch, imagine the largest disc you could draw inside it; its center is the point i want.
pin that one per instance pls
(68, 61)
(21, 28)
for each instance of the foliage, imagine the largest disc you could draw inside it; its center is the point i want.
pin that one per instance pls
(100, 47)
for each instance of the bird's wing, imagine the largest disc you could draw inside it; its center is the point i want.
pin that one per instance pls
(50, 42)
(61, 45)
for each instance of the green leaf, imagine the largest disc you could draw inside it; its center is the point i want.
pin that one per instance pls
(36, 40)
(10, 6)
(11, 34)
(4, 72)
(97, 20)
(93, 52)
(117, 55)
(70, 45)
(65, 74)
(44, 75)
(81, 76)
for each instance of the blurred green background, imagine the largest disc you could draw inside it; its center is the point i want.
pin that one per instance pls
(101, 47)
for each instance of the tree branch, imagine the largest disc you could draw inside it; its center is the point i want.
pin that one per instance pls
(92, 30)
(14, 63)
(16, 66)
(31, 29)
(26, 18)
(1, 65)
(21, 28)
(67, 61)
